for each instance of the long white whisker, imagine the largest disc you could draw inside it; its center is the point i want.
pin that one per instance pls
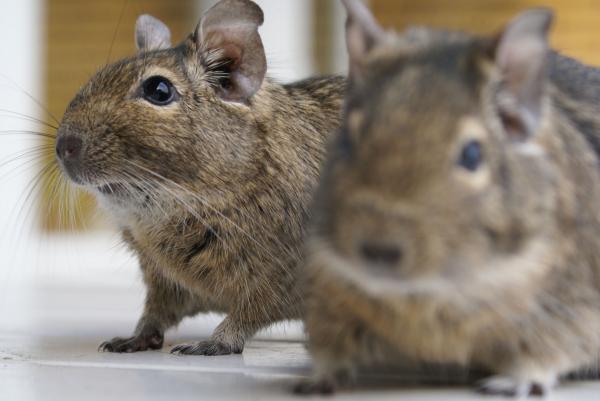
(189, 208)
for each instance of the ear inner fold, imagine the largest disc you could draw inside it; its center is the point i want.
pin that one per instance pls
(231, 29)
(363, 34)
(520, 56)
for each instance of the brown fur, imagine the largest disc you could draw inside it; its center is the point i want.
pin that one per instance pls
(212, 195)
(500, 269)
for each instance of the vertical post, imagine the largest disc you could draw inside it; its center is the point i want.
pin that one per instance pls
(20, 77)
(329, 47)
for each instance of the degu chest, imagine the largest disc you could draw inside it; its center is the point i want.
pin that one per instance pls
(189, 255)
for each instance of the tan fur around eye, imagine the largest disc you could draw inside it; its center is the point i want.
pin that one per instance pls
(163, 72)
(471, 128)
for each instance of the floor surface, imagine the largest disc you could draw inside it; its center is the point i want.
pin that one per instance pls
(50, 330)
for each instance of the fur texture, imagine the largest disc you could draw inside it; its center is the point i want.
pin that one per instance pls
(211, 194)
(412, 254)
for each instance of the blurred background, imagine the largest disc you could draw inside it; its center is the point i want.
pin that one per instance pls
(49, 48)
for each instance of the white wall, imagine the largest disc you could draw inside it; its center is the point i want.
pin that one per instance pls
(338, 29)
(20, 45)
(27, 256)
(20, 55)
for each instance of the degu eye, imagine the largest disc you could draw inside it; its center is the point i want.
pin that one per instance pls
(158, 90)
(471, 156)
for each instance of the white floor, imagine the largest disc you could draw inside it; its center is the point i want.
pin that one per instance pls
(51, 324)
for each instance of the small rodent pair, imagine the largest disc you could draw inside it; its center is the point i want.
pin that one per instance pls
(458, 216)
(208, 168)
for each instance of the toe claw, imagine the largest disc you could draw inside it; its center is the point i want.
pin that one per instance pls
(176, 350)
(105, 347)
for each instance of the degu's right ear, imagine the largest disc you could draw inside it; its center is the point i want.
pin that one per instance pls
(151, 34)
(229, 44)
(520, 53)
(363, 34)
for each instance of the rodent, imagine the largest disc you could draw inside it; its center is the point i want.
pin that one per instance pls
(208, 169)
(458, 216)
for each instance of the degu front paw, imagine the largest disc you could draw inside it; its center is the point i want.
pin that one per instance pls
(133, 344)
(513, 387)
(208, 348)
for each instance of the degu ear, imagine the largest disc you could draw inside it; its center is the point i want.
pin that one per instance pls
(151, 34)
(363, 34)
(520, 53)
(228, 40)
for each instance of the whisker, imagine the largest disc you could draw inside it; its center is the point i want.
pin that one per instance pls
(29, 157)
(33, 155)
(25, 132)
(53, 185)
(24, 201)
(15, 114)
(114, 38)
(190, 209)
(62, 207)
(76, 213)
(147, 188)
(31, 97)
(20, 167)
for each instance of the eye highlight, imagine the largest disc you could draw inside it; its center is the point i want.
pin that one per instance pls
(158, 91)
(471, 156)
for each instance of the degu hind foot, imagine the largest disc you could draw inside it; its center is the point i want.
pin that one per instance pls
(211, 347)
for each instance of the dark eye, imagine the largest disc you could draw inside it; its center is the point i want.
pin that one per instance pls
(471, 156)
(158, 90)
